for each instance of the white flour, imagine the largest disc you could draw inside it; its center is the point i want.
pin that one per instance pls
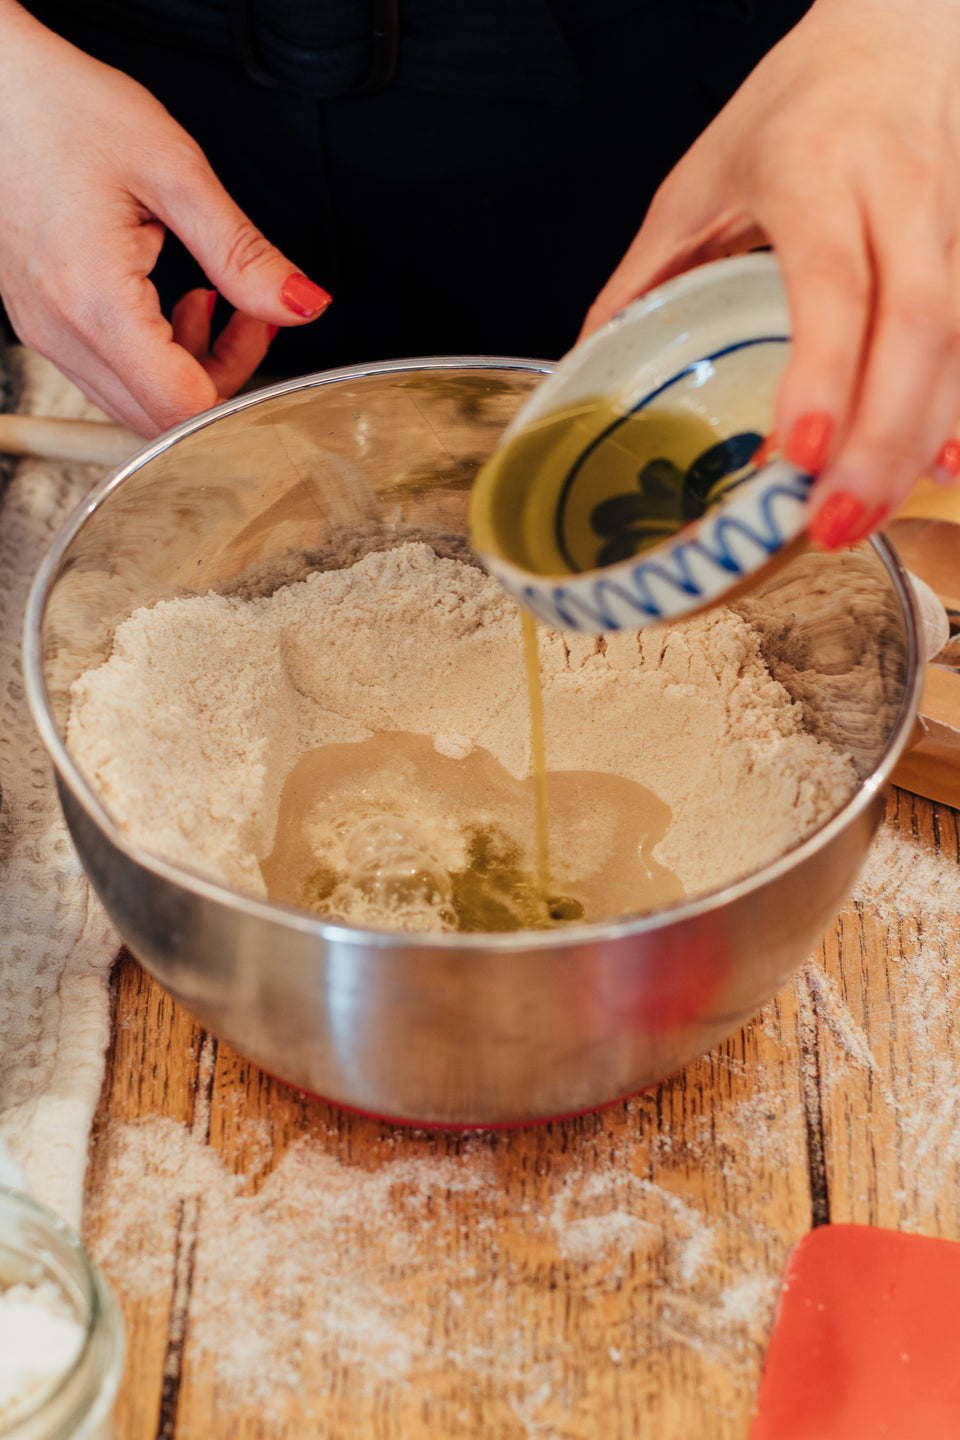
(338, 1280)
(191, 727)
(40, 1338)
(412, 1265)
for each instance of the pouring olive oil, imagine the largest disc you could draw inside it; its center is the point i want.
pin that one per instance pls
(586, 488)
(387, 832)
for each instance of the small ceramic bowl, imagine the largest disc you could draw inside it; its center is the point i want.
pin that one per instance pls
(561, 521)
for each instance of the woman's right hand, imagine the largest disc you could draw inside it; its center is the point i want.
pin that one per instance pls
(842, 151)
(93, 170)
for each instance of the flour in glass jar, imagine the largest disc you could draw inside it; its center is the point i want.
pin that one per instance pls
(40, 1338)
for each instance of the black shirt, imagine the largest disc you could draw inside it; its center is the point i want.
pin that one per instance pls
(477, 194)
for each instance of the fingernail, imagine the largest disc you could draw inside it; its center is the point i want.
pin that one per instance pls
(271, 332)
(809, 441)
(211, 303)
(873, 521)
(303, 297)
(946, 467)
(841, 517)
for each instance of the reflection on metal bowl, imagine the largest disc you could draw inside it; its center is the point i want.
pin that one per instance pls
(463, 1028)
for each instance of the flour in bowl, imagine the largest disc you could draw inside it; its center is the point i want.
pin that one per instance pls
(190, 731)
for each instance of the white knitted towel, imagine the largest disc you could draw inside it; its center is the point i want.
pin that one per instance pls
(56, 944)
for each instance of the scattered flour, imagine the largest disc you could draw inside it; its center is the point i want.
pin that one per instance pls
(191, 727)
(416, 1268)
(334, 1282)
(827, 1004)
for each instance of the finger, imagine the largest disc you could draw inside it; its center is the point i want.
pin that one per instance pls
(910, 392)
(191, 318)
(127, 351)
(99, 386)
(159, 376)
(939, 458)
(250, 272)
(945, 469)
(828, 276)
(239, 349)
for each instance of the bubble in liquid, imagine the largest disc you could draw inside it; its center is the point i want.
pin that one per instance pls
(400, 879)
(377, 837)
(388, 874)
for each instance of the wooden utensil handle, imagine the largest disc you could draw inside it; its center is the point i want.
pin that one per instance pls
(931, 764)
(931, 767)
(93, 442)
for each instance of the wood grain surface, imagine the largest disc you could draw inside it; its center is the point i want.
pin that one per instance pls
(289, 1269)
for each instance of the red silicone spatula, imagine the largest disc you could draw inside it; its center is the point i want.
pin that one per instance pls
(866, 1344)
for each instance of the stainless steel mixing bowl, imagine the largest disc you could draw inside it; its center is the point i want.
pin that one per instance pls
(468, 1029)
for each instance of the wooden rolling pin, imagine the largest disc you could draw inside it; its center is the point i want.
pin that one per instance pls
(92, 442)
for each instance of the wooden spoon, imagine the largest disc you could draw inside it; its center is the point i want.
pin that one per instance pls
(926, 533)
(93, 442)
(931, 549)
(930, 766)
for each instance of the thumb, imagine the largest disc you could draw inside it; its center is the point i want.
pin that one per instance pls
(236, 257)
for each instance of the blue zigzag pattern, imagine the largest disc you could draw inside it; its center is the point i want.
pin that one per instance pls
(713, 544)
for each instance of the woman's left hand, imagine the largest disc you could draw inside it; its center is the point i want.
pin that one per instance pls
(842, 151)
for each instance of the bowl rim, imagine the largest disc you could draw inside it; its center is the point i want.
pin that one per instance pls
(465, 942)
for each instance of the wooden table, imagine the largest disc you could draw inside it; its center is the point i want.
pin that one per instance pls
(289, 1269)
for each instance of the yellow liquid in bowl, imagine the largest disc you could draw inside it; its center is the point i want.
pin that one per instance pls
(587, 487)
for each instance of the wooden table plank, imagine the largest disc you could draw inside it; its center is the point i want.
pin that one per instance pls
(289, 1268)
(893, 1128)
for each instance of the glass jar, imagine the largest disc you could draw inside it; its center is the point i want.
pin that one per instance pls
(37, 1247)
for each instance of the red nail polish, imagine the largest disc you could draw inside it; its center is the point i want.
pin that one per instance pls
(841, 517)
(809, 441)
(271, 332)
(766, 449)
(873, 521)
(948, 459)
(211, 304)
(303, 297)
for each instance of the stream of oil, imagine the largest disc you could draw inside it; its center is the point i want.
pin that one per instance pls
(538, 753)
(388, 833)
